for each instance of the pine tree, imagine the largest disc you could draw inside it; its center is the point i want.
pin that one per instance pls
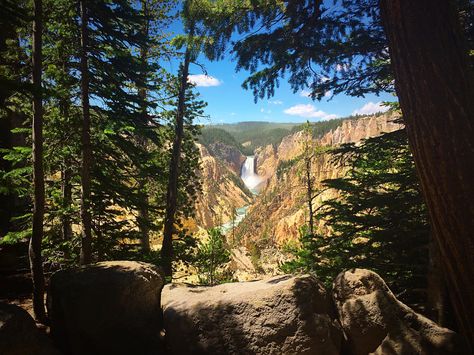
(378, 219)
(211, 256)
(308, 156)
(36, 261)
(15, 108)
(171, 196)
(86, 162)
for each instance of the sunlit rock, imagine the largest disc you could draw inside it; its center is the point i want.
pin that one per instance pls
(281, 315)
(376, 322)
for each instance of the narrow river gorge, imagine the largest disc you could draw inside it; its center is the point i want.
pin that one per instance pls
(252, 181)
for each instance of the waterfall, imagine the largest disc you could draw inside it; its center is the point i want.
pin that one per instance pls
(250, 179)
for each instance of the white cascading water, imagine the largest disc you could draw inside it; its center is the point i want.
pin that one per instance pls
(250, 179)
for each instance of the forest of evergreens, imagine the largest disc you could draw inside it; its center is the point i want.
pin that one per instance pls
(98, 153)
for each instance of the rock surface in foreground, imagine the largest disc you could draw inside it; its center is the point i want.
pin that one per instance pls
(376, 322)
(107, 308)
(19, 334)
(282, 315)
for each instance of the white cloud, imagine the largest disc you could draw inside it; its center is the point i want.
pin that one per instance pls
(308, 111)
(370, 108)
(328, 93)
(203, 80)
(276, 102)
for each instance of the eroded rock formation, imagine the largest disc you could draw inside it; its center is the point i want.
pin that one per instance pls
(222, 190)
(375, 322)
(228, 154)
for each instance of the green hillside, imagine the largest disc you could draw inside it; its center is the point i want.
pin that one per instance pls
(212, 134)
(247, 136)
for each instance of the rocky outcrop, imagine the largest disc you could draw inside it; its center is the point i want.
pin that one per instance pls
(228, 154)
(222, 190)
(107, 308)
(266, 161)
(375, 322)
(282, 315)
(357, 129)
(19, 334)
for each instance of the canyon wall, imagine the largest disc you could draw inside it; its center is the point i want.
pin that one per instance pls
(222, 188)
(229, 155)
(280, 209)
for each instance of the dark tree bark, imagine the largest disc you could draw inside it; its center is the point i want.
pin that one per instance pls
(66, 191)
(86, 220)
(437, 301)
(308, 157)
(309, 193)
(435, 84)
(172, 192)
(143, 216)
(34, 252)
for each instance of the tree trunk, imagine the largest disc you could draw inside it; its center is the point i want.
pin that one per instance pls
(172, 192)
(437, 300)
(435, 84)
(143, 217)
(86, 220)
(309, 192)
(66, 191)
(308, 156)
(66, 186)
(36, 262)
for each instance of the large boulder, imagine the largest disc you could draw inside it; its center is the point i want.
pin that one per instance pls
(281, 315)
(107, 308)
(19, 334)
(374, 321)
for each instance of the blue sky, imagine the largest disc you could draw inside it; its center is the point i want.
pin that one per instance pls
(228, 102)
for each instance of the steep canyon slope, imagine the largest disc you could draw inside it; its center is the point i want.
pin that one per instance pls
(222, 189)
(280, 210)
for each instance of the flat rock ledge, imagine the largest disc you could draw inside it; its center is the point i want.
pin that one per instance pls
(107, 308)
(281, 315)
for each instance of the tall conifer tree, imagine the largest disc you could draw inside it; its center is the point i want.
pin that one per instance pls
(36, 261)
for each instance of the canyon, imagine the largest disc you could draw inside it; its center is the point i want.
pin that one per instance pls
(270, 198)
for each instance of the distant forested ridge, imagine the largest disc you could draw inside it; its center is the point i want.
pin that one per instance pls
(247, 136)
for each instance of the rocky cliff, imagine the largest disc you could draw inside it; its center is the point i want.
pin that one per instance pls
(223, 190)
(280, 210)
(229, 155)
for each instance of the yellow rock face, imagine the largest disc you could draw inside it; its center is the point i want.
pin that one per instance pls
(280, 210)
